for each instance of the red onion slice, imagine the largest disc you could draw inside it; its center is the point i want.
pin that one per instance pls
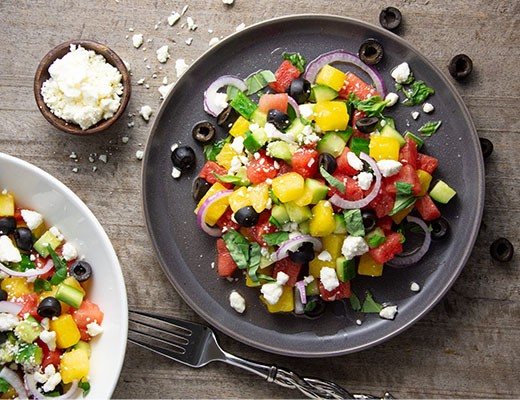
(10, 307)
(211, 106)
(405, 261)
(30, 272)
(30, 382)
(293, 244)
(348, 204)
(203, 210)
(342, 56)
(294, 105)
(301, 289)
(14, 380)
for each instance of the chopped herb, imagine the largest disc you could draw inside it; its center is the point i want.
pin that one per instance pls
(354, 302)
(234, 179)
(402, 202)
(354, 222)
(430, 128)
(42, 285)
(85, 386)
(254, 261)
(370, 305)
(274, 239)
(373, 106)
(266, 278)
(295, 59)
(4, 386)
(60, 267)
(416, 93)
(211, 151)
(258, 81)
(334, 182)
(376, 241)
(25, 264)
(273, 197)
(238, 247)
(404, 187)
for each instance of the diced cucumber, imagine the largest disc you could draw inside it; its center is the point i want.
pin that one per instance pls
(83, 345)
(389, 131)
(322, 93)
(312, 288)
(265, 262)
(331, 143)
(69, 295)
(442, 192)
(243, 105)
(341, 227)
(28, 330)
(359, 145)
(48, 238)
(345, 269)
(417, 139)
(6, 204)
(280, 149)
(8, 349)
(30, 355)
(346, 134)
(318, 189)
(305, 227)
(296, 127)
(298, 213)
(258, 117)
(256, 140)
(279, 213)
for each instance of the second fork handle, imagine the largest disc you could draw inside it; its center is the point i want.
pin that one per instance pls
(311, 387)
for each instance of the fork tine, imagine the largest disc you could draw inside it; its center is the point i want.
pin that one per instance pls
(178, 341)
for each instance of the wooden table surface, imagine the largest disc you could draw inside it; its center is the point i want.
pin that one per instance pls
(466, 347)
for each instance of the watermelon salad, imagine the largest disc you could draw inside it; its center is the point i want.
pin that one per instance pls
(312, 184)
(46, 318)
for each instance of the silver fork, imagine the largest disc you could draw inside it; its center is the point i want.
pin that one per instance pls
(196, 345)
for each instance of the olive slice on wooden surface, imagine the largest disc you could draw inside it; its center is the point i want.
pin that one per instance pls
(390, 18)
(502, 250)
(371, 51)
(487, 147)
(203, 132)
(460, 66)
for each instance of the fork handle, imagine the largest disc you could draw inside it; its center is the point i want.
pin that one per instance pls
(311, 387)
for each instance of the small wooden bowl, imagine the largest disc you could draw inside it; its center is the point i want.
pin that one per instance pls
(42, 74)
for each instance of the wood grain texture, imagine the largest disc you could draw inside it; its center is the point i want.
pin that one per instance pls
(466, 347)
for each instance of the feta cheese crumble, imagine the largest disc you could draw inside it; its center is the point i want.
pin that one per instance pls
(237, 302)
(8, 251)
(427, 108)
(272, 291)
(33, 219)
(162, 54)
(83, 88)
(388, 312)
(364, 179)
(137, 40)
(69, 252)
(391, 99)
(389, 167)
(146, 112)
(353, 246)
(401, 72)
(354, 161)
(329, 278)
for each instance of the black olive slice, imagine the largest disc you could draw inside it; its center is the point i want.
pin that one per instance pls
(7, 225)
(328, 162)
(371, 51)
(199, 188)
(370, 220)
(80, 270)
(460, 66)
(3, 295)
(23, 238)
(315, 306)
(502, 250)
(367, 124)
(49, 307)
(300, 90)
(203, 132)
(304, 253)
(183, 157)
(227, 117)
(440, 228)
(390, 18)
(247, 217)
(279, 119)
(486, 146)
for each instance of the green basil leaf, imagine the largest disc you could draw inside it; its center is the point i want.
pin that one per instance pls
(85, 386)
(42, 285)
(211, 151)
(402, 202)
(370, 305)
(430, 128)
(258, 81)
(372, 106)
(295, 59)
(403, 187)
(274, 239)
(238, 247)
(332, 181)
(354, 302)
(25, 264)
(254, 261)
(417, 93)
(60, 267)
(266, 278)
(354, 222)
(376, 241)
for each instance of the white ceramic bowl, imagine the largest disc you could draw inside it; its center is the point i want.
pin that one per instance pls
(36, 189)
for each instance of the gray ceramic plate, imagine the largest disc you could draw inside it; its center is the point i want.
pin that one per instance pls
(186, 253)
